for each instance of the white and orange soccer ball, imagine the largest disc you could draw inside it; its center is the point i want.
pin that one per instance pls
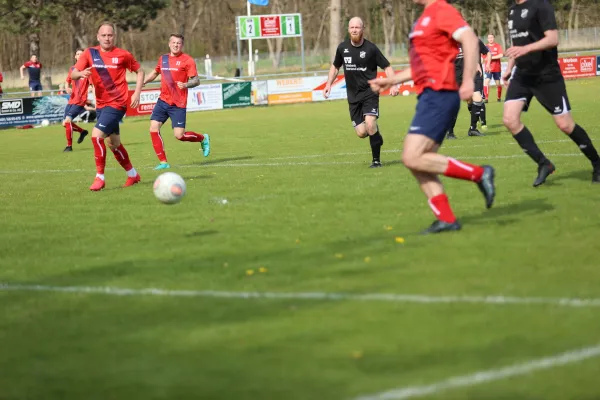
(169, 188)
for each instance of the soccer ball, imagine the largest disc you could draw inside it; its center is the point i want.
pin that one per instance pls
(45, 122)
(169, 188)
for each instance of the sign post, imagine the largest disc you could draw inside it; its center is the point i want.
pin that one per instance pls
(268, 27)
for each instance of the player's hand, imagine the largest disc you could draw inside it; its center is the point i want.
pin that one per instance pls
(466, 89)
(22, 78)
(135, 100)
(517, 51)
(395, 90)
(379, 85)
(86, 73)
(181, 85)
(327, 91)
(68, 90)
(506, 77)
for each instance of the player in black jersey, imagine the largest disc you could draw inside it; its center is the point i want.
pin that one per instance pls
(533, 31)
(476, 105)
(360, 59)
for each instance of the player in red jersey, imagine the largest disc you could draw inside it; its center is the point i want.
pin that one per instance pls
(34, 67)
(106, 65)
(1, 79)
(79, 91)
(433, 48)
(495, 68)
(179, 73)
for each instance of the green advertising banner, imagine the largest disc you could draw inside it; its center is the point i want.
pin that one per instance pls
(237, 94)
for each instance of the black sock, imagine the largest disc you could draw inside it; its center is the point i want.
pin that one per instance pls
(527, 143)
(475, 110)
(582, 140)
(482, 115)
(453, 124)
(376, 142)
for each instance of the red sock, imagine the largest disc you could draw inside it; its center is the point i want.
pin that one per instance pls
(99, 154)
(441, 208)
(499, 89)
(76, 127)
(159, 146)
(69, 133)
(486, 91)
(122, 157)
(191, 137)
(461, 170)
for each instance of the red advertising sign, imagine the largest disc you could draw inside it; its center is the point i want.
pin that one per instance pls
(270, 26)
(577, 67)
(148, 99)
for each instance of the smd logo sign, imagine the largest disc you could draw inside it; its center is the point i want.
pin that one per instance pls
(11, 107)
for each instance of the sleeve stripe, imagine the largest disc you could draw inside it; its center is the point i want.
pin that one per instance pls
(458, 33)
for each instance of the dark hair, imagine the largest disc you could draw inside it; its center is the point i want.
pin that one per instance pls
(78, 49)
(177, 35)
(107, 23)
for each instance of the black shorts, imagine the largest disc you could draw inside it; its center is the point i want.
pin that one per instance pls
(478, 81)
(368, 106)
(552, 95)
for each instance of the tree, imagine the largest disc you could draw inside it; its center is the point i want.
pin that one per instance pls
(335, 16)
(27, 17)
(388, 20)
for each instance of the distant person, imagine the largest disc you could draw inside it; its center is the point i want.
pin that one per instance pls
(34, 68)
(495, 68)
(1, 79)
(179, 73)
(360, 59)
(79, 91)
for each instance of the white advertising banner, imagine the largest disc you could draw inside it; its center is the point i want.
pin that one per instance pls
(205, 97)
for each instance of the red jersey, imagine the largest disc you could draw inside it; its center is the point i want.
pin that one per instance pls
(495, 49)
(432, 48)
(108, 74)
(79, 88)
(175, 69)
(34, 70)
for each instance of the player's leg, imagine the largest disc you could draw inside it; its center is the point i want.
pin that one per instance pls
(68, 129)
(498, 82)
(518, 97)
(99, 154)
(371, 113)
(435, 111)
(178, 121)
(475, 109)
(111, 118)
(157, 119)
(452, 124)
(553, 97)
(486, 86)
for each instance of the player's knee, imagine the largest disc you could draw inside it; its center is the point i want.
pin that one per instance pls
(477, 98)
(512, 122)
(361, 132)
(410, 161)
(372, 128)
(565, 124)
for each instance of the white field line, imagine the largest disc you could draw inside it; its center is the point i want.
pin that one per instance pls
(383, 297)
(273, 164)
(480, 377)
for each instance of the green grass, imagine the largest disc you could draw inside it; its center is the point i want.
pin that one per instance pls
(303, 204)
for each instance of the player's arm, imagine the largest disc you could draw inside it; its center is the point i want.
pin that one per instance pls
(509, 68)
(547, 21)
(470, 46)
(333, 73)
(389, 72)
(139, 83)
(379, 85)
(21, 71)
(499, 55)
(488, 61)
(151, 77)
(193, 82)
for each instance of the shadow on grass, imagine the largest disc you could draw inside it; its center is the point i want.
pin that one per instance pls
(509, 213)
(224, 160)
(582, 175)
(202, 233)
(151, 181)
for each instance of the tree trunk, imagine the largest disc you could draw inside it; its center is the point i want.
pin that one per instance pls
(321, 28)
(335, 15)
(389, 25)
(501, 30)
(571, 18)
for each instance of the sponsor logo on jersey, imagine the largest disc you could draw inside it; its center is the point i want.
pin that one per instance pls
(363, 54)
(348, 60)
(425, 21)
(524, 13)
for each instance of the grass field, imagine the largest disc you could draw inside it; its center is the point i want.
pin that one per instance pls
(304, 215)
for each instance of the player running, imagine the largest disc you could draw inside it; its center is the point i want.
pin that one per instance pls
(106, 65)
(79, 91)
(179, 73)
(432, 51)
(476, 106)
(360, 59)
(532, 28)
(34, 68)
(495, 68)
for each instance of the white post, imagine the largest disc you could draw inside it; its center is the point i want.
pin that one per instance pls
(208, 66)
(250, 62)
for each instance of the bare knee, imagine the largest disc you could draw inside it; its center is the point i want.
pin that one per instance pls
(512, 123)
(372, 128)
(565, 124)
(410, 161)
(361, 131)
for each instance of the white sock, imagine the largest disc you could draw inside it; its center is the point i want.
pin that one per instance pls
(132, 173)
(101, 176)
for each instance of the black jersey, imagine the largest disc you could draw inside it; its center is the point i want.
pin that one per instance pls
(527, 23)
(360, 66)
(459, 61)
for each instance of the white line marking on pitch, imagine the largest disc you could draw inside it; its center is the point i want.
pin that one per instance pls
(385, 297)
(275, 164)
(477, 378)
